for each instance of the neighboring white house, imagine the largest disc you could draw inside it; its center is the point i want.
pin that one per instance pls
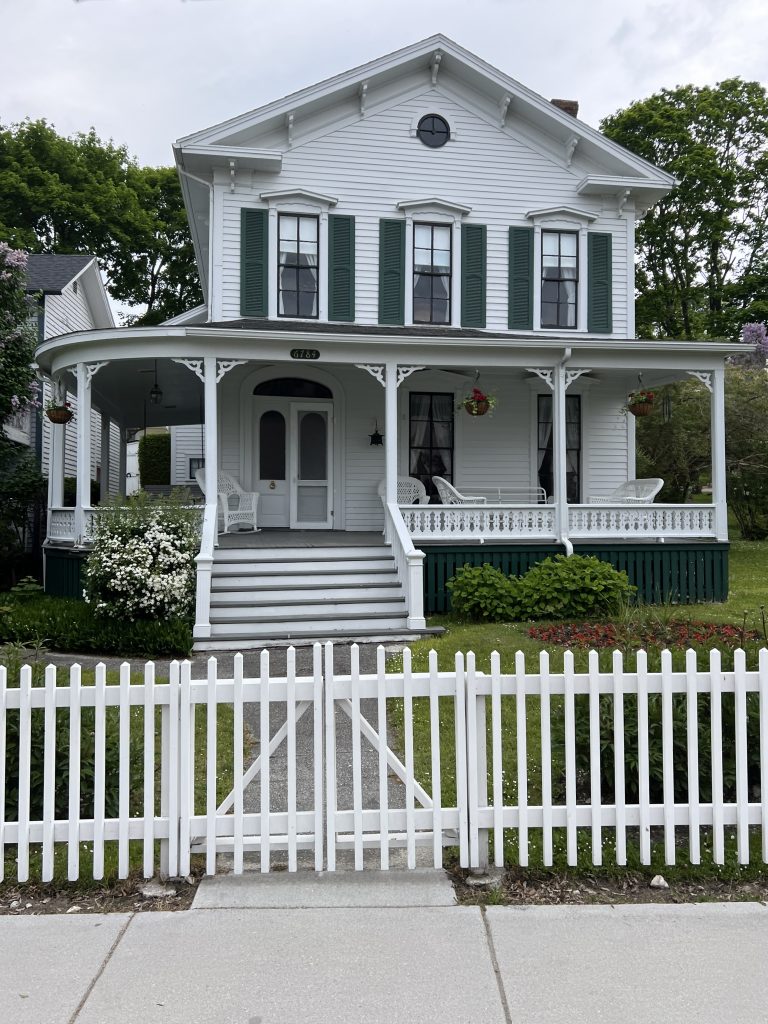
(370, 249)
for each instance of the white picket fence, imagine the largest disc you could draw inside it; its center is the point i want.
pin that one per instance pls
(289, 802)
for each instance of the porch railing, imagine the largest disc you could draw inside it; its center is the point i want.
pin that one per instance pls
(538, 522)
(642, 521)
(409, 562)
(62, 525)
(204, 562)
(480, 522)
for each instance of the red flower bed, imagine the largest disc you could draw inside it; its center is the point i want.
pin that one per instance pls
(674, 634)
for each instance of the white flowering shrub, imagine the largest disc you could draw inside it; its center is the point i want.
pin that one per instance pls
(142, 565)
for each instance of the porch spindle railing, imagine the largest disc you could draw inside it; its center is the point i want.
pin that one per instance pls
(410, 564)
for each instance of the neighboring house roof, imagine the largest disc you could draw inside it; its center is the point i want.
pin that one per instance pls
(50, 273)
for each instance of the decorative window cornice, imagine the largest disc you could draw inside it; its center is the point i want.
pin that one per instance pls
(561, 213)
(411, 206)
(298, 195)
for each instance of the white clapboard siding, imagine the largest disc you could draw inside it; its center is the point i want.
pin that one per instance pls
(354, 814)
(187, 442)
(496, 451)
(513, 176)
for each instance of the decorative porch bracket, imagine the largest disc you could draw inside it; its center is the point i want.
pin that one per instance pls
(378, 372)
(91, 369)
(223, 366)
(405, 371)
(547, 376)
(195, 365)
(703, 377)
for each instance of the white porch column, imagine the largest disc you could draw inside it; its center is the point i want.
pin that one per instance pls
(83, 450)
(56, 455)
(105, 457)
(211, 430)
(717, 411)
(390, 432)
(559, 477)
(122, 468)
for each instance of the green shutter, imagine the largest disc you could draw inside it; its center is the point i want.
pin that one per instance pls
(392, 272)
(473, 272)
(341, 268)
(253, 262)
(521, 279)
(599, 283)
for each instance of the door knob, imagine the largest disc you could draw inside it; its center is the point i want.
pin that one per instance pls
(271, 485)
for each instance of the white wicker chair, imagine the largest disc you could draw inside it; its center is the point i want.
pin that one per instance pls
(410, 491)
(633, 492)
(450, 496)
(237, 507)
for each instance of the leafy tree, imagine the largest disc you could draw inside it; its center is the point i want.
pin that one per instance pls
(21, 485)
(159, 270)
(703, 249)
(82, 195)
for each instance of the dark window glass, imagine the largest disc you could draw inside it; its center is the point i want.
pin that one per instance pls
(434, 132)
(559, 278)
(313, 448)
(430, 451)
(297, 272)
(572, 446)
(431, 274)
(292, 387)
(272, 446)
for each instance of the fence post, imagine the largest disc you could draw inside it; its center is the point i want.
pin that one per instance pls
(482, 778)
(477, 773)
(165, 732)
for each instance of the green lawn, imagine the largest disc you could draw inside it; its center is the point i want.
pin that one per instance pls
(224, 783)
(748, 591)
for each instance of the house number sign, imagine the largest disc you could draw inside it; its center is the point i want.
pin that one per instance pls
(304, 353)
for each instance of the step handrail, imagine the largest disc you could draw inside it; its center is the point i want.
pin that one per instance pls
(204, 562)
(410, 564)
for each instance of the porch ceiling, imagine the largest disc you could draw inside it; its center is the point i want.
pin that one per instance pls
(122, 389)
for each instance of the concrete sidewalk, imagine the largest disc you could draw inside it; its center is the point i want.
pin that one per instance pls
(316, 955)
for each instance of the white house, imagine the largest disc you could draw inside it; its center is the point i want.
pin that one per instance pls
(371, 248)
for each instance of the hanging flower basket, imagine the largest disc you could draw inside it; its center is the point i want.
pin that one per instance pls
(59, 413)
(640, 403)
(478, 403)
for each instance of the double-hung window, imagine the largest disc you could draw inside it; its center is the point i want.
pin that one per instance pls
(431, 274)
(297, 272)
(559, 278)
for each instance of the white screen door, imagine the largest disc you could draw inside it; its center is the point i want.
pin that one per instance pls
(311, 470)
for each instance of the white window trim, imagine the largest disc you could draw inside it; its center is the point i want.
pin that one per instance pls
(298, 202)
(561, 219)
(434, 211)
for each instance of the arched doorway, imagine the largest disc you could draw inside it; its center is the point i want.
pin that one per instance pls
(293, 453)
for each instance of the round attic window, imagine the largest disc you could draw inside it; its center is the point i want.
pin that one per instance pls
(433, 130)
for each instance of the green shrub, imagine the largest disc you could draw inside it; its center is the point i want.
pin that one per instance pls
(65, 624)
(679, 747)
(155, 459)
(142, 564)
(480, 593)
(579, 586)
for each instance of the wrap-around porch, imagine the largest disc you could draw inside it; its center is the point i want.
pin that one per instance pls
(332, 460)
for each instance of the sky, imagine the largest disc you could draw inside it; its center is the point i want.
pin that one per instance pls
(147, 72)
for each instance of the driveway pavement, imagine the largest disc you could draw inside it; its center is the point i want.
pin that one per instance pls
(388, 948)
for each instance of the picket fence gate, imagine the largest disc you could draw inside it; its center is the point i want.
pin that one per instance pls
(161, 798)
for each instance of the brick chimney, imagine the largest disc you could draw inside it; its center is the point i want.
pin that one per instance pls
(569, 106)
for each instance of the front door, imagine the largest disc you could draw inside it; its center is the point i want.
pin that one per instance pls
(293, 455)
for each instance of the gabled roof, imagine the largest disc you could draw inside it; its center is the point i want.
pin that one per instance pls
(435, 56)
(50, 273)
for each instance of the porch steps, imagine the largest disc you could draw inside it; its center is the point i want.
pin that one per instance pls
(260, 594)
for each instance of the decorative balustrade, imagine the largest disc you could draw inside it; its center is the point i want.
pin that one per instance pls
(61, 524)
(628, 522)
(480, 522)
(538, 522)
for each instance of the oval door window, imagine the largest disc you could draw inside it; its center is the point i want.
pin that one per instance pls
(313, 446)
(272, 446)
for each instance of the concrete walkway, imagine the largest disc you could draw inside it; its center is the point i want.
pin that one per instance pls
(383, 948)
